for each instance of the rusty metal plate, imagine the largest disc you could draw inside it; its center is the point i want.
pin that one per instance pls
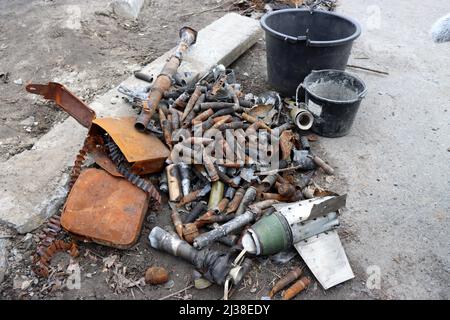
(105, 209)
(65, 99)
(144, 151)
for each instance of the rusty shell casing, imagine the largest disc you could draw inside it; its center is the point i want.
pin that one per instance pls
(189, 198)
(228, 152)
(200, 128)
(192, 100)
(273, 196)
(176, 220)
(231, 126)
(167, 131)
(256, 126)
(224, 178)
(221, 120)
(193, 113)
(248, 118)
(156, 275)
(197, 140)
(249, 197)
(290, 277)
(214, 105)
(296, 288)
(162, 112)
(199, 208)
(212, 219)
(175, 119)
(231, 191)
(163, 82)
(237, 199)
(269, 181)
(185, 177)
(204, 219)
(194, 195)
(202, 116)
(210, 168)
(327, 168)
(216, 194)
(223, 112)
(220, 208)
(173, 181)
(181, 101)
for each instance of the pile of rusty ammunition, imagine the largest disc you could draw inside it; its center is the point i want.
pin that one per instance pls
(227, 152)
(237, 169)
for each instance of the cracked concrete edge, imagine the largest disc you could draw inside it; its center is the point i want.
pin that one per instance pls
(32, 183)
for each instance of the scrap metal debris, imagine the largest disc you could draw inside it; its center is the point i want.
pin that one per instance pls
(238, 169)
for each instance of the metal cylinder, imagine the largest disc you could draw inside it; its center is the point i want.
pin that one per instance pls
(163, 82)
(185, 173)
(248, 198)
(237, 199)
(216, 194)
(238, 222)
(173, 180)
(215, 265)
(302, 118)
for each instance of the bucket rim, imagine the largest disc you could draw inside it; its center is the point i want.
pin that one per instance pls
(361, 95)
(312, 43)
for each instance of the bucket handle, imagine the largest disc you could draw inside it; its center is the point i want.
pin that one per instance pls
(294, 40)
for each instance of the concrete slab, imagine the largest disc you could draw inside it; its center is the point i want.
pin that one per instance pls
(32, 182)
(128, 9)
(3, 258)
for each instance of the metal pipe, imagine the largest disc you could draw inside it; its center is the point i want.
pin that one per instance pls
(238, 222)
(163, 82)
(198, 209)
(215, 265)
(249, 197)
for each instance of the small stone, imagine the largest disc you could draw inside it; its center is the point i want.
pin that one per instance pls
(18, 82)
(22, 283)
(27, 122)
(169, 285)
(114, 100)
(156, 275)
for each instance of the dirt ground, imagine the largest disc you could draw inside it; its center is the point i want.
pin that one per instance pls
(90, 52)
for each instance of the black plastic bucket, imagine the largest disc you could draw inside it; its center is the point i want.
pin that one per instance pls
(299, 41)
(333, 97)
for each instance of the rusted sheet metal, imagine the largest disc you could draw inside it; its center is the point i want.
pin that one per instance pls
(144, 151)
(105, 209)
(66, 100)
